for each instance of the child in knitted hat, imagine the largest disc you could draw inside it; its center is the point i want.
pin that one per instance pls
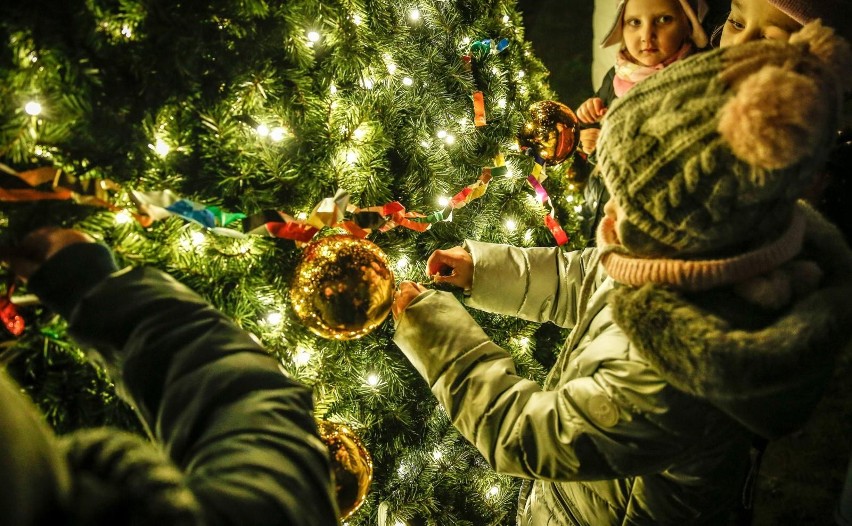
(710, 313)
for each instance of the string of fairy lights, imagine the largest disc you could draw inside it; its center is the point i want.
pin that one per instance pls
(272, 131)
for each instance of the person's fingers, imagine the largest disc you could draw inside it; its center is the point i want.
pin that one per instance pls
(584, 114)
(439, 263)
(407, 291)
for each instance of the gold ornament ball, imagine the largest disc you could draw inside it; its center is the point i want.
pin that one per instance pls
(550, 131)
(351, 464)
(343, 288)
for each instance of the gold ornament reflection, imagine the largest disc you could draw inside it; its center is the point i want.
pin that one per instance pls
(342, 288)
(550, 131)
(351, 463)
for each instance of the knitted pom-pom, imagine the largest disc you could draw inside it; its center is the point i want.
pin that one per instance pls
(774, 120)
(834, 52)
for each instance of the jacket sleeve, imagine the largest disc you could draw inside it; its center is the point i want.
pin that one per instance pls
(535, 284)
(607, 91)
(240, 429)
(620, 420)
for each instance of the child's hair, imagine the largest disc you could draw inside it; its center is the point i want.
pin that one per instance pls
(695, 11)
(712, 152)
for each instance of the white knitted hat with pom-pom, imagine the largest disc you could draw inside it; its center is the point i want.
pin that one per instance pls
(710, 154)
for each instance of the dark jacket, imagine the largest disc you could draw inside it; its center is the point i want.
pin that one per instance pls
(239, 430)
(607, 91)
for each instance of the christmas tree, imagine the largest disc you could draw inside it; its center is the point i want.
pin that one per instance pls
(215, 139)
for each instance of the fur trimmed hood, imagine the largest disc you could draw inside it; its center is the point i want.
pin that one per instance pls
(764, 368)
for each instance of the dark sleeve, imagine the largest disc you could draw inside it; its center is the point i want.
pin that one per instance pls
(607, 92)
(241, 430)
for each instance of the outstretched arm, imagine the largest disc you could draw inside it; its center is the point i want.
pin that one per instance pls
(240, 429)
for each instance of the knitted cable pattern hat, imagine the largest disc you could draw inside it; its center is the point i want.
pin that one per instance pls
(710, 154)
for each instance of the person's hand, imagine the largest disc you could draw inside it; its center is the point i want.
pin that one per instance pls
(407, 291)
(591, 111)
(453, 266)
(38, 246)
(589, 139)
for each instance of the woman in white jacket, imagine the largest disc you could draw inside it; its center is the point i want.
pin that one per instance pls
(709, 315)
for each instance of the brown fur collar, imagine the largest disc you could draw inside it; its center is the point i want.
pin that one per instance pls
(748, 361)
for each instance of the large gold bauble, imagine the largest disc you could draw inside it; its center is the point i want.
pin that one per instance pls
(550, 131)
(343, 288)
(351, 463)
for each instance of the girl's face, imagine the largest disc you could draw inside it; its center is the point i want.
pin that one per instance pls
(654, 30)
(755, 19)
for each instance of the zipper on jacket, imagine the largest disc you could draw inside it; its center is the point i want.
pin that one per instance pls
(563, 501)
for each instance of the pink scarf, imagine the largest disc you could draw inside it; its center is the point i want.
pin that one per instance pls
(628, 72)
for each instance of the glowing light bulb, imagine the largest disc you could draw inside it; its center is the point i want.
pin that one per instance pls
(521, 74)
(367, 83)
(126, 31)
(493, 491)
(424, 144)
(437, 454)
(569, 198)
(443, 201)
(302, 356)
(301, 216)
(450, 139)
(408, 81)
(441, 134)
(373, 380)
(351, 157)
(262, 130)
(391, 68)
(511, 225)
(506, 19)
(33, 108)
(123, 217)
(197, 238)
(277, 134)
(402, 263)
(578, 209)
(313, 36)
(501, 103)
(274, 318)
(359, 134)
(161, 147)
(414, 15)
(466, 41)
(333, 89)
(356, 19)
